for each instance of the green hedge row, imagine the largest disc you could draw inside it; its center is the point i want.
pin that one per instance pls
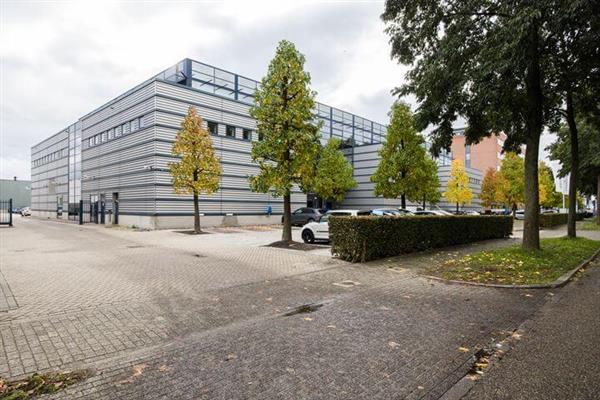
(551, 220)
(360, 239)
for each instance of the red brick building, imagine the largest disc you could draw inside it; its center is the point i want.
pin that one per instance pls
(483, 155)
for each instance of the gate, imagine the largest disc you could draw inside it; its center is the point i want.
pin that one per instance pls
(6, 212)
(88, 212)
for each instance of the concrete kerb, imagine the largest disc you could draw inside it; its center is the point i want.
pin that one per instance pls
(561, 281)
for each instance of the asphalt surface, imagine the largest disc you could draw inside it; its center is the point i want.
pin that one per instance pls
(558, 355)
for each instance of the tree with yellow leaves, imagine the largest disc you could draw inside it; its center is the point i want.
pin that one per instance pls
(458, 190)
(198, 170)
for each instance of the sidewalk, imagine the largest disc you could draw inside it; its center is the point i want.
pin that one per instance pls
(557, 356)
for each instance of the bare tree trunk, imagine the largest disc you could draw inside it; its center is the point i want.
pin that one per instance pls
(424, 199)
(457, 208)
(403, 200)
(535, 99)
(287, 218)
(598, 202)
(572, 218)
(196, 214)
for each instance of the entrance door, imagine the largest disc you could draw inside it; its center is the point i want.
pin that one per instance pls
(115, 202)
(102, 208)
(94, 208)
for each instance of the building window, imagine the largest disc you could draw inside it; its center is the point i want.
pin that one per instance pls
(126, 128)
(111, 134)
(141, 122)
(213, 127)
(135, 125)
(118, 131)
(104, 136)
(247, 134)
(230, 131)
(97, 139)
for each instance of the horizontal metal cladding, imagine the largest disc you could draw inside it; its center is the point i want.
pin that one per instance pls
(118, 107)
(191, 96)
(119, 158)
(139, 178)
(167, 206)
(55, 142)
(179, 108)
(52, 169)
(145, 109)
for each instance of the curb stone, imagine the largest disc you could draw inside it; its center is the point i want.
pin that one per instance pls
(560, 282)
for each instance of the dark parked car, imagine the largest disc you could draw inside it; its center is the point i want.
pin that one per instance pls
(304, 215)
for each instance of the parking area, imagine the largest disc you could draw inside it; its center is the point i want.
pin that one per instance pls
(161, 314)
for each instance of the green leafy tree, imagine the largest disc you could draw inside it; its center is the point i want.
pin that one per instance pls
(488, 62)
(283, 111)
(198, 170)
(489, 189)
(334, 173)
(548, 194)
(458, 190)
(574, 60)
(511, 181)
(589, 154)
(403, 158)
(428, 188)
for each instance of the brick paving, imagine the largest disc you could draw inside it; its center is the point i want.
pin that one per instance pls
(165, 315)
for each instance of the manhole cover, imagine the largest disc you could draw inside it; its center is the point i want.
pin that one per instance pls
(346, 284)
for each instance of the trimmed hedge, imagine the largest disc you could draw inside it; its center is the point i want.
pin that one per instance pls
(551, 220)
(360, 239)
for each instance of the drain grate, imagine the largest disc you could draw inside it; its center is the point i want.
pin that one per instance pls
(304, 309)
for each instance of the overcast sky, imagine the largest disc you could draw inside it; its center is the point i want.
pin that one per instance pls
(60, 60)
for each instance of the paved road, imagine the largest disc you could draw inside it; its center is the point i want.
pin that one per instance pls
(165, 315)
(558, 355)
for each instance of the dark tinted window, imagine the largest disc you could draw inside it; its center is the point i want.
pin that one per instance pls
(247, 135)
(213, 127)
(230, 131)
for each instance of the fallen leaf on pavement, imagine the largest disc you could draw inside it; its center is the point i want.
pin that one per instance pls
(463, 349)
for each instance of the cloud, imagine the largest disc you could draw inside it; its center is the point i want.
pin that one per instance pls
(61, 60)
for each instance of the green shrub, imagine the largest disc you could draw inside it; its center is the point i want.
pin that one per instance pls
(360, 239)
(551, 220)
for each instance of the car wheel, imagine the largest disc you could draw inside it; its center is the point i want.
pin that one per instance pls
(307, 236)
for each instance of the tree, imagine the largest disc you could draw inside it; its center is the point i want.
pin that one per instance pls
(199, 170)
(428, 188)
(403, 158)
(548, 195)
(334, 173)
(589, 154)
(489, 189)
(283, 111)
(511, 181)
(485, 61)
(574, 77)
(458, 190)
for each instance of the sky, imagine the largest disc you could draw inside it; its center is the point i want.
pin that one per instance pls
(60, 59)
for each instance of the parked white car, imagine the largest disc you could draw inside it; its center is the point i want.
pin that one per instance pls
(25, 211)
(320, 230)
(432, 212)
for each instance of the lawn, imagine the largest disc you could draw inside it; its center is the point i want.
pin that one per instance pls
(514, 266)
(589, 226)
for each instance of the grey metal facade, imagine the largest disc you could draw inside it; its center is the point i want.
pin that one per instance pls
(124, 148)
(365, 160)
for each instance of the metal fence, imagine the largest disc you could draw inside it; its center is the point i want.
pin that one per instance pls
(6, 212)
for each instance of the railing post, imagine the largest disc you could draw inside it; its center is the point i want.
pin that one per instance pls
(10, 212)
(80, 212)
